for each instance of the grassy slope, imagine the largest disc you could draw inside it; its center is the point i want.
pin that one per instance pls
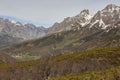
(111, 54)
(59, 65)
(107, 54)
(109, 74)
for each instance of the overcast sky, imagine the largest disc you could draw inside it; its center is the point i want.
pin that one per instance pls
(47, 12)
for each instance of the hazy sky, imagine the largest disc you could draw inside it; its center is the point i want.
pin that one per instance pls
(47, 12)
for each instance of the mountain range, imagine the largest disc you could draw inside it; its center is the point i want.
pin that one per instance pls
(21, 20)
(73, 34)
(82, 47)
(103, 19)
(14, 32)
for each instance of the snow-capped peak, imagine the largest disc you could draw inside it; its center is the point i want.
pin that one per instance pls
(85, 14)
(108, 16)
(84, 17)
(111, 8)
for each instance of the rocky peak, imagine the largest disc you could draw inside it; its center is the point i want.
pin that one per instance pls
(84, 13)
(106, 17)
(109, 11)
(111, 8)
(69, 23)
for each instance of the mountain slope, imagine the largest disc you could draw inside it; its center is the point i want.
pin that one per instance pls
(92, 61)
(6, 39)
(5, 58)
(66, 42)
(109, 74)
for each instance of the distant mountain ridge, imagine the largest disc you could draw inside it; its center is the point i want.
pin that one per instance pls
(23, 21)
(14, 32)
